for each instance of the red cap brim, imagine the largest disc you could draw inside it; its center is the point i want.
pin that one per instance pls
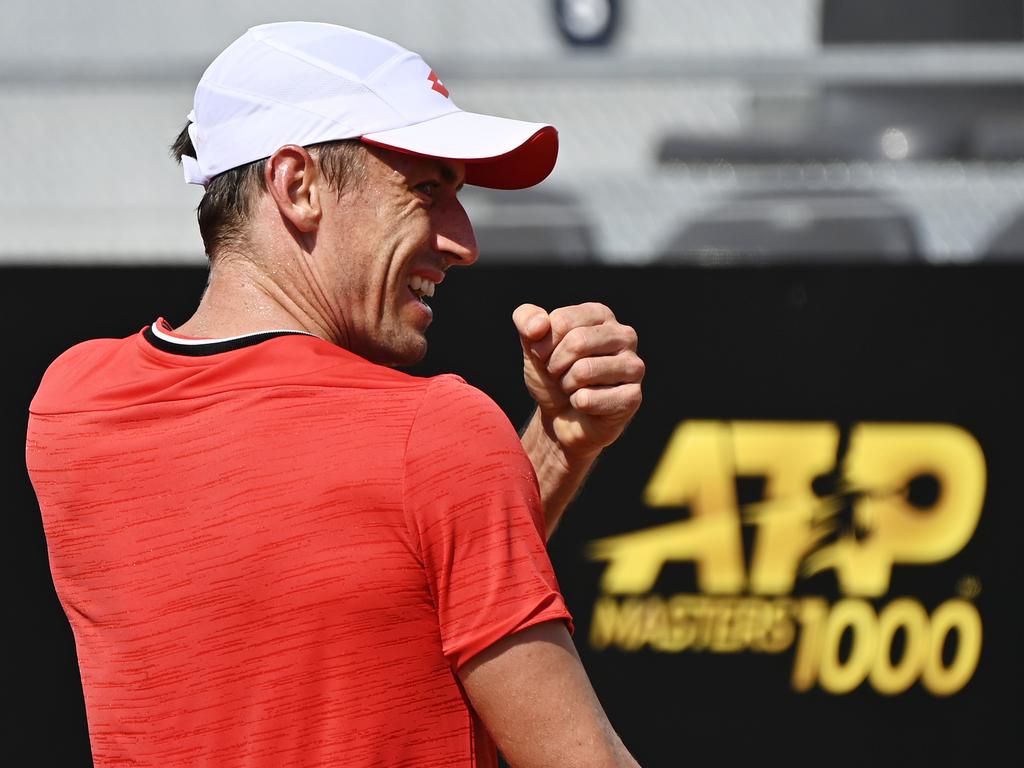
(529, 162)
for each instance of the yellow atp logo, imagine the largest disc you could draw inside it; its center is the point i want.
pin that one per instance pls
(798, 531)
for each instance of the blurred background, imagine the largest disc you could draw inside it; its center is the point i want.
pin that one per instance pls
(693, 131)
(811, 210)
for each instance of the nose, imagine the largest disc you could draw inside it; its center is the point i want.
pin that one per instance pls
(455, 237)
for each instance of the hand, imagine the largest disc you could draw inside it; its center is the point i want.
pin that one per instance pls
(580, 365)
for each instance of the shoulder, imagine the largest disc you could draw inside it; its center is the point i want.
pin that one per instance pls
(454, 413)
(63, 378)
(461, 444)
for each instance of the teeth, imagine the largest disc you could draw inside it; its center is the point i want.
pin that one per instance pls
(421, 286)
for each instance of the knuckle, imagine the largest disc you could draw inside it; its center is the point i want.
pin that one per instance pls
(576, 340)
(582, 397)
(636, 368)
(561, 322)
(572, 379)
(580, 374)
(585, 368)
(633, 395)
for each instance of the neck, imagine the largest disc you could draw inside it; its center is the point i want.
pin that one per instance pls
(241, 297)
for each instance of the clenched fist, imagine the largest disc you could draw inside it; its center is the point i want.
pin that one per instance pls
(580, 365)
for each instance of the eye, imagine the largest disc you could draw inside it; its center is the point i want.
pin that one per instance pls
(428, 188)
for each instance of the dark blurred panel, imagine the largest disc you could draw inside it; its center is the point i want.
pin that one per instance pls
(787, 226)
(851, 345)
(922, 21)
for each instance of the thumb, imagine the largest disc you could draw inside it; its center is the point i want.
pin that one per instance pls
(532, 322)
(534, 326)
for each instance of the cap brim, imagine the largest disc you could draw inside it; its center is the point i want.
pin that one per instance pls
(499, 153)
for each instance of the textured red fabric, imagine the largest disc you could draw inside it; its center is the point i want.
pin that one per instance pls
(279, 555)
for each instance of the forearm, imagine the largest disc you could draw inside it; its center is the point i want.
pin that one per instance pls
(558, 474)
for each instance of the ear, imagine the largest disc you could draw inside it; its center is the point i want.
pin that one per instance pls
(294, 182)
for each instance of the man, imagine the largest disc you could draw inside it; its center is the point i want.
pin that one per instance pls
(273, 547)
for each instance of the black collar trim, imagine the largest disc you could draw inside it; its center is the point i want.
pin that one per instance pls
(204, 348)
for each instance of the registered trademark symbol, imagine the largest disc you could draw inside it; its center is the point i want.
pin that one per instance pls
(968, 587)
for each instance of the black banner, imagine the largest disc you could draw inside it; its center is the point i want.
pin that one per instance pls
(805, 549)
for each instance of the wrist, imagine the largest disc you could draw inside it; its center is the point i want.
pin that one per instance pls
(559, 472)
(541, 441)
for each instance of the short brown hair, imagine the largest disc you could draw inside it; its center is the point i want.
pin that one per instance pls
(223, 213)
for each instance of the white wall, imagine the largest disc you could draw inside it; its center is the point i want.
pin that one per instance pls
(92, 93)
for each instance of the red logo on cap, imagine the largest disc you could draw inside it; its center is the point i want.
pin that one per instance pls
(437, 84)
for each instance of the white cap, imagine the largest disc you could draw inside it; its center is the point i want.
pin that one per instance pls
(304, 83)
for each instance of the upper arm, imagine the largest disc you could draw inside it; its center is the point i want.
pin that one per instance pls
(533, 695)
(473, 510)
(474, 513)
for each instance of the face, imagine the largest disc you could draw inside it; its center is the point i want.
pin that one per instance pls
(384, 246)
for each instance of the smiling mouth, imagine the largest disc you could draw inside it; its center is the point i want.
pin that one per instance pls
(421, 287)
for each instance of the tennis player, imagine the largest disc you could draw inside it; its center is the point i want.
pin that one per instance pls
(274, 547)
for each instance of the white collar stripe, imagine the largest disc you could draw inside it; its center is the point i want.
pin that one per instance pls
(201, 342)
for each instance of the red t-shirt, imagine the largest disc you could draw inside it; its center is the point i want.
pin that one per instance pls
(273, 552)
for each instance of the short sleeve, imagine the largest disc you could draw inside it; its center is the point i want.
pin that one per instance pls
(474, 510)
